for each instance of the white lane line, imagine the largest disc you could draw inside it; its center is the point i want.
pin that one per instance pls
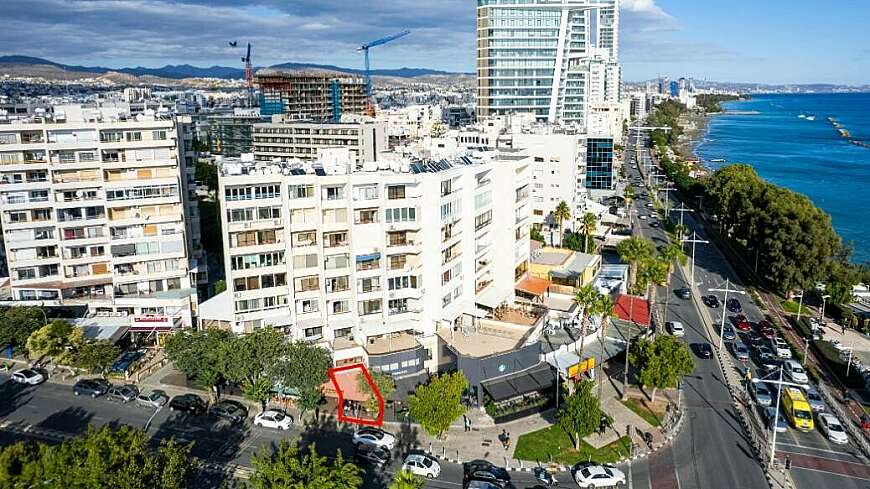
(814, 448)
(847, 476)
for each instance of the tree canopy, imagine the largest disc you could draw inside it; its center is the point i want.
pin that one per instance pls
(288, 467)
(437, 404)
(581, 413)
(661, 363)
(199, 354)
(385, 385)
(95, 356)
(405, 479)
(304, 367)
(56, 340)
(18, 323)
(635, 250)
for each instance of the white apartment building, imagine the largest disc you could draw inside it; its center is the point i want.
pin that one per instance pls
(371, 261)
(95, 212)
(285, 140)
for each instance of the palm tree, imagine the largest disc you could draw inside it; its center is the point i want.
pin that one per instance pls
(561, 213)
(671, 253)
(628, 195)
(604, 307)
(634, 250)
(652, 273)
(587, 297)
(588, 225)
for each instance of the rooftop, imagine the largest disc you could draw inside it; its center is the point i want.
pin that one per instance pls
(390, 343)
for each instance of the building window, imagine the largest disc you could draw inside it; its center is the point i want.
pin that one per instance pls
(395, 192)
(305, 261)
(372, 306)
(301, 191)
(334, 262)
(366, 216)
(337, 284)
(368, 284)
(306, 284)
(398, 261)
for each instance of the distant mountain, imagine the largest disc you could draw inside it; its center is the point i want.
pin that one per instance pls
(178, 72)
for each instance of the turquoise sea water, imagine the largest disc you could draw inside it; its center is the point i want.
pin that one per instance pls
(806, 156)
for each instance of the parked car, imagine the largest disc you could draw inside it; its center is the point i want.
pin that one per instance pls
(764, 353)
(152, 399)
(684, 293)
(780, 347)
(832, 428)
(232, 411)
(733, 305)
(188, 403)
(728, 333)
(711, 301)
(374, 436)
(676, 328)
(125, 360)
(28, 376)
(817, 404)
(795, 372)
(703, 350)
(274, 418)
(769, 415)
(599, 476)
(122, 393)
(760, 392)
(371, 454)
(91, 387)
(422, 465)
(741, 352)
(485, 471)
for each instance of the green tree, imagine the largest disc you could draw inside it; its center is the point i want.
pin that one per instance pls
(587, 298)
(561, 213)
(304, 368)
(95, 356)
(117, 457)
(385, 385)
(572, 241)
(535, 234)
(628, 194)
(220, 286)
(54, 340)
(437, 404)
(288, 468)
(18, 323)
(603, 307)
(405, 479)
(581, 414)
(587, 224)
(200, 354)
(250, 360)
(207, 174)
(634, 250)
(661, 363)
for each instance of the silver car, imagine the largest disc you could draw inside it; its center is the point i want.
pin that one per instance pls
(122, 393)
(152, 399)
(761, 393)
(817, 404)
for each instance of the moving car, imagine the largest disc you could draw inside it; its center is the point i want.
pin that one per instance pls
(766, 329)
(374, 436)
(374, 455)
(704, 350)
(152, 399)
(676, 328)
(764, 354)
(484, 471)
(122, 393)
(795, 372)
(422, 465)
(733, 305)
(780, 347)
(796, 408)
(232, 411)
(815, 400)
(728, 333)
(760, 392)
(711, 301)
(91, 387)
(594, 476)
(188, 403)
(769, 415)
(742, 323)
(741, 352)
(28, 376)
(684, 293)
(273, 418)
(831, 427)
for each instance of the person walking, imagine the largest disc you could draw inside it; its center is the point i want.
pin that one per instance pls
(465, 422)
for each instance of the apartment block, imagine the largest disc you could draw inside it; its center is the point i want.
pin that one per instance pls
(232, 134)
(319, 96)
(370, 261)
(286, 141)
(95, 211)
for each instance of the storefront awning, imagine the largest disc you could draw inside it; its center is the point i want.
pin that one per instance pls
(533, 285)
(537, 378)
(492, 297)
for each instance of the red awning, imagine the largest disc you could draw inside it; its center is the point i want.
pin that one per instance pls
(632, 308)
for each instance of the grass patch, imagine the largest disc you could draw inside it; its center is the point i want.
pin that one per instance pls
(792, 307)
(640, 408)
(554, 444)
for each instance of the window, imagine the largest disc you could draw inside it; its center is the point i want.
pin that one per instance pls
(337, 284)
(268, 213)
(398, 261)
(301, 191)
(306, 284)
(339, 307)
(366, 216)
(401, 214)
(305, 261)
(335, 192)
(395, 192)
(366, 192)
(306, 238)
(398, 306)
(15, 217)
(240, 215)
(482, 220)
(267, 191)
(369, 284)
(332, 240)
(334, 262)
(372, 306)
(273, 280)
(334, 216)
(404, 282)
(307, 306)
(133, 136)
(246, 283)
(313, 333)
(368, 262)
(238, 193)
(158, 135)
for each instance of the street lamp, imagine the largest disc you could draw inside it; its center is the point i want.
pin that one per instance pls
(727, 289)
(822, 317)
(695, 239)
(800, 304)
(779, 383)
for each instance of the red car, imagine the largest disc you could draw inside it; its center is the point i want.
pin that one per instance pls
(766, 329)
(742, 323)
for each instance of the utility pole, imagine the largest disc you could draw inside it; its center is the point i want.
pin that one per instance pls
(800, 304)
(822, 316)
(726, 290)
(779, 383)
(694, 240)
(682, 210)
(667, 190)
(849, 361)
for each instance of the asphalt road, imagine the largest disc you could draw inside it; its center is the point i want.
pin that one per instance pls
(816, 461)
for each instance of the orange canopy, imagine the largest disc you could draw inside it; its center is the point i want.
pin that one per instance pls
(533, 285)
(348, 382)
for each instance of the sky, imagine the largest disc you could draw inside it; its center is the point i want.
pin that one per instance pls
(761, 41)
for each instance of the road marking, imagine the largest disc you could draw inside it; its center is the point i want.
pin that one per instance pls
(813, 448)
(830, 473)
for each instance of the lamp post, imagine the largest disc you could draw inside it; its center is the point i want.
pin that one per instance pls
(849, 361)
(824, 300)
(727, 289)
(694, 240)
(800, 304)
(779, 383)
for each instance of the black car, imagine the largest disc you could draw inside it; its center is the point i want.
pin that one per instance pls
(703, 350)
(188, 403)
(711, 301)
(734, 305)
(377, 456)
(483, 470)
(229, 410)
(684, 293)
(91, 387)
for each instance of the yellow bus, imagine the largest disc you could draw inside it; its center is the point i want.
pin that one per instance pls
(797, 410)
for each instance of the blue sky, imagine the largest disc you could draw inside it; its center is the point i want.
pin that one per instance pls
(775, 41)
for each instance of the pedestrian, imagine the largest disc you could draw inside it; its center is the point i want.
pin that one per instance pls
(507, 442)
(844, 328)
(465, 422)
(469, 423)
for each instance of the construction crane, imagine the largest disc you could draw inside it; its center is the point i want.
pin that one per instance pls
(249, 76)
(368, 75)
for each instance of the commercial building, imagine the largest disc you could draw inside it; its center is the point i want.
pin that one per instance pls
(599, 164)
(287, 141)
(554, 58)
(318, 96)
(96, 211)
(371, 261)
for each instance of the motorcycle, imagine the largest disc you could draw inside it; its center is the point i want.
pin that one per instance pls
(545, 477)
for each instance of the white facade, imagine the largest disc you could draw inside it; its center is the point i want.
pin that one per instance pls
(95, 212)
(370, 261)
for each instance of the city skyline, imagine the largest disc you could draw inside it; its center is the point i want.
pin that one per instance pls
(664, 37)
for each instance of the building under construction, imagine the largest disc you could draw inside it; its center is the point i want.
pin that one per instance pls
(317, 96)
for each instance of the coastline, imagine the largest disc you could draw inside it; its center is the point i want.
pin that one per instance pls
(694, 130)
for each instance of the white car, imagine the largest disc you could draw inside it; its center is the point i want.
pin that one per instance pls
(273, 418)
(831, 427)
(422, 466)
(649, 204)
(795, 372)
(676, 328)
(28, 376)
(780, 347)
(594, 476)
(642, 217)
(374, 436)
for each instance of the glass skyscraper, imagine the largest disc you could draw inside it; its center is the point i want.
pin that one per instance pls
(553, 58)
(599, 163)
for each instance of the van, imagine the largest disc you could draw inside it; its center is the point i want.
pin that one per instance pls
(797, 410)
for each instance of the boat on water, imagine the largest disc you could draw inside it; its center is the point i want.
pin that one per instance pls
(717, 160)
(802, 116)
(811, 117)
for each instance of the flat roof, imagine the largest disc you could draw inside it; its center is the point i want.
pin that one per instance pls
(490, 337)
(218, 308)
(551, 256)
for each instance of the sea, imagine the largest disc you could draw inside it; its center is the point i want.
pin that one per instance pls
(804, 155)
